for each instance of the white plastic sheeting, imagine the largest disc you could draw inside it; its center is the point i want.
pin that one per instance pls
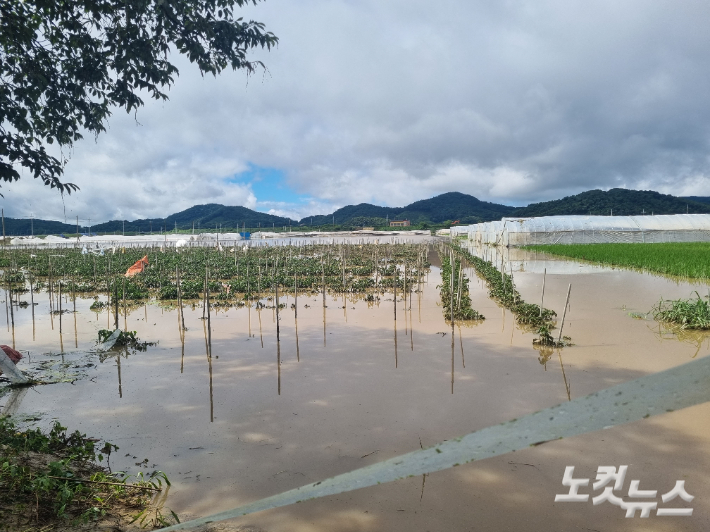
(590, 229)
(11, 372)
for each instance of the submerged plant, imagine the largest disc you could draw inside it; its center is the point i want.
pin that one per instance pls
(125, 338)
(691, 313)
(232, 274)
(502, 289)
(546, 339)
(59, 474)
(454, 277)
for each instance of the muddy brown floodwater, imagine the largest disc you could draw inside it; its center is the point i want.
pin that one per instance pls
(357, 391)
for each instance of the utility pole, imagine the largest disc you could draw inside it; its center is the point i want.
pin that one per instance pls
(32, 223)
(124, 227)
(3, 227)
(77, 229)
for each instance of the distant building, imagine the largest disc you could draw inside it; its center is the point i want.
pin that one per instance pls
(399, 223)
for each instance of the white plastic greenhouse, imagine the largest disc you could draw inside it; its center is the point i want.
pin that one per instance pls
(590, 229)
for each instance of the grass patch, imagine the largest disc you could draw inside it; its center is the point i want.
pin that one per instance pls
(681, 259)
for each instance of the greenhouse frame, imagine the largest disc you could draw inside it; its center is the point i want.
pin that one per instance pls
(589, 230)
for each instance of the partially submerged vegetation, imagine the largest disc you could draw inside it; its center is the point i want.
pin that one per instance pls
(693, 313)
(230, 275)
(680, 259)
(126, 339)
(53, 481)
(502, 288)
(455, 292)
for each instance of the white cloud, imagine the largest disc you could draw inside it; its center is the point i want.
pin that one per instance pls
(391, 102)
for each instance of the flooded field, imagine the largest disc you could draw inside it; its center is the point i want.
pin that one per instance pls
(348, 386)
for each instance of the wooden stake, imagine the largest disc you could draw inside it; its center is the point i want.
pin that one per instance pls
(395, 292)
(542, 299)
(569, 288)
(115, 299)
(209, 320)
(125, 313)
(276, 282)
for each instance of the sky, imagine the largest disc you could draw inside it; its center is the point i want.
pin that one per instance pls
(389, 102)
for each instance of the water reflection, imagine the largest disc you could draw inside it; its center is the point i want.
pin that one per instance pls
(118, 365)
(564, 375)
(14, 401)
(452, 358)
(395, 344)
(694, 337)
(208, 354)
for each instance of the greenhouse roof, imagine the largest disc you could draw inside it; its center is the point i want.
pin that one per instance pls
(673, 222)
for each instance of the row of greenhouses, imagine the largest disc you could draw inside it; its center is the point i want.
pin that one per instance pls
(589, 230)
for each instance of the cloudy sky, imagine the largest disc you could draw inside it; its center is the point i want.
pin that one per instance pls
(391, 101)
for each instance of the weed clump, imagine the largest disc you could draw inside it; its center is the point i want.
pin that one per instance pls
(691, 313)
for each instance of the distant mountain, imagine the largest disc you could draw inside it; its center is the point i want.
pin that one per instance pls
(451, 206)
(619, 201)
(207, 217)
(448, 207)
(22, 226)
(699, 199)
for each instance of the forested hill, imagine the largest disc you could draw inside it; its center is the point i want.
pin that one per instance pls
(617, 201)
(26, 226)
(699, 199)
(207, 217)
(451, 206)
(442, 209)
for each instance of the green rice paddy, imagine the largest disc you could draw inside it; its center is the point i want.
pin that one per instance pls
(681, 259)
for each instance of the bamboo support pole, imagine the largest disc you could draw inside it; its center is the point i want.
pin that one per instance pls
(569, 289)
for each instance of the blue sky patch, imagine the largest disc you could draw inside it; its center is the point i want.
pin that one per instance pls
(268, 184)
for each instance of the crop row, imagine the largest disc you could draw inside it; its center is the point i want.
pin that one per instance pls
(241, 272)
(455, 292)
(502, 289)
